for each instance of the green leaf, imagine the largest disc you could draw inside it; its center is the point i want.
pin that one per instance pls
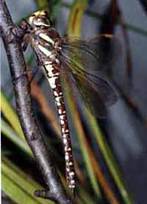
(18, 186)
(75, 18)
(8, 132)
(11, 116)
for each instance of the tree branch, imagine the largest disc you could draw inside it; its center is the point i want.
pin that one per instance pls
(23, 101)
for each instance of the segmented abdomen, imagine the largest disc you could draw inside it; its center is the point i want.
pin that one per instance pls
(52, 72)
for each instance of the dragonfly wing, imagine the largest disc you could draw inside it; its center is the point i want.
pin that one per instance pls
(91, 97)
(92, 52)
(95, 91)
(84, 62)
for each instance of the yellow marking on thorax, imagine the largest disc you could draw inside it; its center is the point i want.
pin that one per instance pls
(46, 38)
(45, 51)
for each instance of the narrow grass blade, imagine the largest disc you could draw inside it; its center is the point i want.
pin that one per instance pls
(18, 186)
(76, 14)
(108, 156)
(11, 116)
(8, 132)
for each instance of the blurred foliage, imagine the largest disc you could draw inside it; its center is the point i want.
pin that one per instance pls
(94, 184)
(17, 184)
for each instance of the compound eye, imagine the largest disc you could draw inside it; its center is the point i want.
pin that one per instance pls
(46, 13)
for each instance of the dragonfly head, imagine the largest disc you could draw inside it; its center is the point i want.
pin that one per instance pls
(39, 19)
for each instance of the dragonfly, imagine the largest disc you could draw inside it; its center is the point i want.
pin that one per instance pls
(73, 59)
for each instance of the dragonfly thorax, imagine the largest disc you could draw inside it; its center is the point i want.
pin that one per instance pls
(47, 44)
(44, 38)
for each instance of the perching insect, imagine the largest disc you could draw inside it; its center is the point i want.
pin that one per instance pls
(60, 57)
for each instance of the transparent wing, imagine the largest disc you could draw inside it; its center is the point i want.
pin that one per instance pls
(89, 95)
(97, 54)
(78, 59)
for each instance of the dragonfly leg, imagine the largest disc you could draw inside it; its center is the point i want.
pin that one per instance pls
(43, 193)
(16, 79)
(24, 46)
(29, 73)
(17, 33)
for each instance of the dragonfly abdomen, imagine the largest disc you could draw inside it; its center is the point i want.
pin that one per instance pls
(53, 77)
